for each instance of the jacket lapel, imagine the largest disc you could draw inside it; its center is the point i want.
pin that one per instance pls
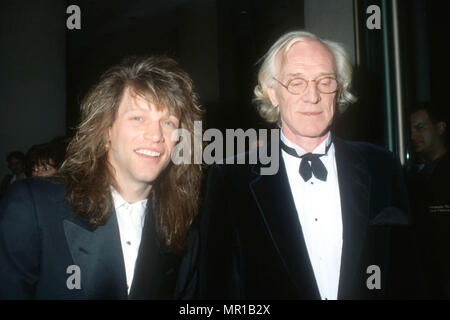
(98, 253)
(276, 205)
(354, 188)
(274, 198)
(156, 265)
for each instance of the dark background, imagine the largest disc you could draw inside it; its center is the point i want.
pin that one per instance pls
(46, 69)
(217, 42)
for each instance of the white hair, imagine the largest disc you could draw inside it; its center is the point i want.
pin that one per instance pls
(268, 70)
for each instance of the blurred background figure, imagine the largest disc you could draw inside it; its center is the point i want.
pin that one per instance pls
(16, 163)
(430, 196)
(45, 159)
(428, 132)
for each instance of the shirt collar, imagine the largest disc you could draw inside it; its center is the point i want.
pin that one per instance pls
(119, 201)
(320, 149)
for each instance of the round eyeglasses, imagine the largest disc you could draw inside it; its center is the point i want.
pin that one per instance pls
(299, 85)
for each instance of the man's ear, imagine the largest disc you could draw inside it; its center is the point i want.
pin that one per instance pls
(107, 137)
(338, 95)
(442, 126)
(272, 96)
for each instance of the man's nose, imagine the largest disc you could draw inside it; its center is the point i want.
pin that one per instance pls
(154, 132)
(312, 94)
(414, 134)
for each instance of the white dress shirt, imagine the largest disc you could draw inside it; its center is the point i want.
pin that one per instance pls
(318, 207)
(130, 218)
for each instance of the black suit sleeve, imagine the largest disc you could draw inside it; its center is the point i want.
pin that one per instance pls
(19, 244)
(218, 276)
(187, 280)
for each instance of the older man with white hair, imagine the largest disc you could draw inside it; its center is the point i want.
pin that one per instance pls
(321, 227)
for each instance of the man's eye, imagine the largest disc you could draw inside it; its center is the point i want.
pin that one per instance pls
(137, 118)
(169, 123)
(326, 82)
(297, 83)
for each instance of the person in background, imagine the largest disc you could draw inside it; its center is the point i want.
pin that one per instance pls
(428, 137)
(44, 159)
(16, 163)
(428, 182)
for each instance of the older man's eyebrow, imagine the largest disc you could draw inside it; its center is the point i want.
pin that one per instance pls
(299, 74)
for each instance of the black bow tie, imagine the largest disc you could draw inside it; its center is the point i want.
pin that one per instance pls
(310, 163)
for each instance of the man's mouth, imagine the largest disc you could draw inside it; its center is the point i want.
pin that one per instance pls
(147, 152)
(311, 113)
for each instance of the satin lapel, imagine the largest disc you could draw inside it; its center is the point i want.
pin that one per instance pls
(156, 265)
(273, 196)
(98, 253)
(148, 274)
(354, 187)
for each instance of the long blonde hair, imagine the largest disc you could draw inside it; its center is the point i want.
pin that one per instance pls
(87, 172)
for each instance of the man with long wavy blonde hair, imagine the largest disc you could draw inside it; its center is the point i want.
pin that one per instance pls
(114, 225)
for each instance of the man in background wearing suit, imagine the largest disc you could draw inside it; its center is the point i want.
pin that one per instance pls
(430, 196)
(322, 226)
(115, 223)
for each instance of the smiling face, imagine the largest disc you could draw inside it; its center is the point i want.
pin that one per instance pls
(140, 141)
(308, 115)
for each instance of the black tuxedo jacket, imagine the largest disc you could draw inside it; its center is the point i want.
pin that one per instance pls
(252, 246)
(5, 184)
(41, 236)
(431, 207)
